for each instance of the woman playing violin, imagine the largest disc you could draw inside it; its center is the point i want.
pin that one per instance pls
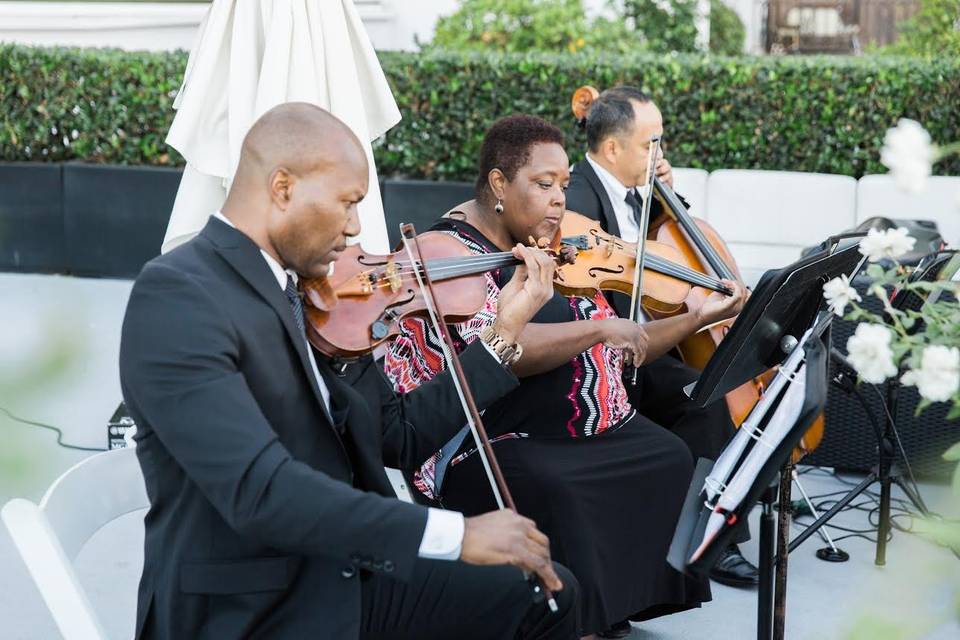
(605, 483)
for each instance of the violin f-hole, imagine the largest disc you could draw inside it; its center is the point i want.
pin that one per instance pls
(363, 259)
(594, 271)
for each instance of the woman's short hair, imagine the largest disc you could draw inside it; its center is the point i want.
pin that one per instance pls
(506, 146)
(611, 114)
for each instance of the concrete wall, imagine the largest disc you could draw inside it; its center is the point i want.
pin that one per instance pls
(392, 24)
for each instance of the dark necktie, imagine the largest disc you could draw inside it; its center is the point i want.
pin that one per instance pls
(634, 203)
(296, 302)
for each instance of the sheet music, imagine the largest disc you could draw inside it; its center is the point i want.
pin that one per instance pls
(732, 453)
(780, 424)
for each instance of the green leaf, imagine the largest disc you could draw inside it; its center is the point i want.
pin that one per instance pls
(954, 412)
(953, 453)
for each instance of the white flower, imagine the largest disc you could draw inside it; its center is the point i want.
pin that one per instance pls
(868, 350)
(938, 377)
(838, 293)
(890, 243)
(909, 155)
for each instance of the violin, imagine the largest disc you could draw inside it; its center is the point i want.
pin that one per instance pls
(361, 303)
(605, 262)
(703, 250)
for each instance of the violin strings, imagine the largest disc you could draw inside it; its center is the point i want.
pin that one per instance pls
(463, 266)
(677, 271)
(451, 267)
(441, 264)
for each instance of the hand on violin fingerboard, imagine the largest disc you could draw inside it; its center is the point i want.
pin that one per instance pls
(719, 307)
(528, 290)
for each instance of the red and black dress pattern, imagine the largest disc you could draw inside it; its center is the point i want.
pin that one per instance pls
(582, 398)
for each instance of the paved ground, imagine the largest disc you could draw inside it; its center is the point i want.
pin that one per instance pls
(79, 319)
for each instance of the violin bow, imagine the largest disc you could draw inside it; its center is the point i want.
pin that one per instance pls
(643, 223)
(494, 475)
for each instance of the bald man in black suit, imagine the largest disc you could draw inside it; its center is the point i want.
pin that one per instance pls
(270, 512)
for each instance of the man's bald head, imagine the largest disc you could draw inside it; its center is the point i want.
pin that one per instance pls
(301, 175)
(299, 137)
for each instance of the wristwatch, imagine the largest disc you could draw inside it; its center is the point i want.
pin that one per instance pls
(508, 353)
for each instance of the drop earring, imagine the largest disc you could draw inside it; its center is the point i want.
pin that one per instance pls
(498, 207)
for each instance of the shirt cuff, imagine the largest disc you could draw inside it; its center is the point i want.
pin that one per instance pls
(443, 535)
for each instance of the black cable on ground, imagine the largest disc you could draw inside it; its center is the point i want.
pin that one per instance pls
(901, 510)
(51, 428)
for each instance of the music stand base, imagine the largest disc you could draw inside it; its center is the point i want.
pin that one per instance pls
(830, 554)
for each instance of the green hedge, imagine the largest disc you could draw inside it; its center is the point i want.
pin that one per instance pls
(120, 104)
(801, 114)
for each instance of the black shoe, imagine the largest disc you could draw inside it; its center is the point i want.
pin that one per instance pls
(733, 570)
(620, 630)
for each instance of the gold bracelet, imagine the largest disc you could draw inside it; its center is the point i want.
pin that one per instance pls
(508, 353)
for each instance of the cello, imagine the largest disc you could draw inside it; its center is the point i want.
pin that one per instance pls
(703, 249)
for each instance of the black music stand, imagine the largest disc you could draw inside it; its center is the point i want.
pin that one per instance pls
(783, 316)
(780, 309)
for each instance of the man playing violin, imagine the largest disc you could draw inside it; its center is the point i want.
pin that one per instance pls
(270, 512)
(609, 185)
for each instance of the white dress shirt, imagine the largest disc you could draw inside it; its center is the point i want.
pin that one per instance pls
(443, 535)
(617, 192)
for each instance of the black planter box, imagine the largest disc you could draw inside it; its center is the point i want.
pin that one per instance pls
(115, 216)
(107, 221)
(420, 202)
(31, 218)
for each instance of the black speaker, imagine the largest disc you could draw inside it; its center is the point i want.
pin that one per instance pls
(849, 442)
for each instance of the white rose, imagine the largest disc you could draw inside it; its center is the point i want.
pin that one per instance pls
(838, 293)
(890, 243)
(868, 350)
(938, 377)
(909, 154)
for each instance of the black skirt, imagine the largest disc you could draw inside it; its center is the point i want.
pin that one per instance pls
(609, 504)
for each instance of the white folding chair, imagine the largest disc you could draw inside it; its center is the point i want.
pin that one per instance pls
(49, 536)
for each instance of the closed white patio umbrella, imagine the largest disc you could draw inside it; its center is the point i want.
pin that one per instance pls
(250, 56)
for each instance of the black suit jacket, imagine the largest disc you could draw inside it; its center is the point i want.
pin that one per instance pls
(264, 516)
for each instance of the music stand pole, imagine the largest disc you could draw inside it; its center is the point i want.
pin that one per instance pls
(767, 548)
(783, 542)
